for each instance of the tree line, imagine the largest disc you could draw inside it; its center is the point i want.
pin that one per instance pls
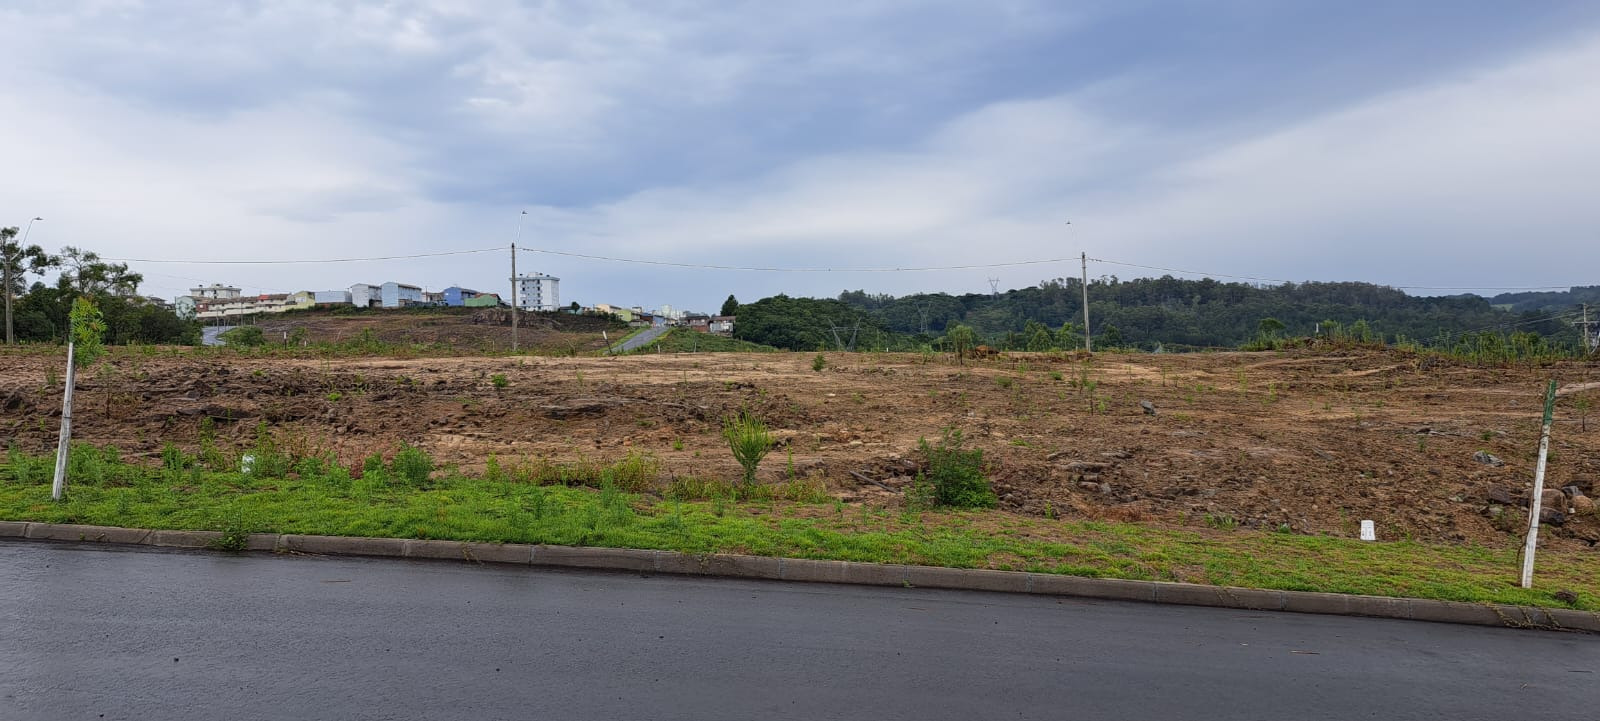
(1147, 313)
(39, 312)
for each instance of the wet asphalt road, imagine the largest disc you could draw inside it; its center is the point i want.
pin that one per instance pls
(88, 633)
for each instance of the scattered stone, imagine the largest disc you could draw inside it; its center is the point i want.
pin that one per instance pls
(1488, 459)
(1566, 596)
(1149, 408)
(1551, 516)
(1087, 466)
(1089, 486)
(1494, 511)
(1582, 506)
(1499, 494)
(1105, 489)
(1553, 498)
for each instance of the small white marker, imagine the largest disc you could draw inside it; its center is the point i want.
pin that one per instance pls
(1368, 531)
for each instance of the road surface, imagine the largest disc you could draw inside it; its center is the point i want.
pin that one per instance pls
(91, 632)
(644, 338)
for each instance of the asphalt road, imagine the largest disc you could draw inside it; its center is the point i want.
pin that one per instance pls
(645, 337)
(89, 632)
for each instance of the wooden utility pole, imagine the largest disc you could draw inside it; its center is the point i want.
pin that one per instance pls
(1088, 346)
(524, 214)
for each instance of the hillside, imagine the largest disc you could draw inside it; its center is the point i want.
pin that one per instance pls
(477, 329)
(1147, 313)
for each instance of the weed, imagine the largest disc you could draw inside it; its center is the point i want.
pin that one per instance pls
(1221, 522)
(1004, 381)
(335, 396)
(411, 464)
(819, 362)
(1056, 375)
(499, 380)
(955, 475)
(677, 444)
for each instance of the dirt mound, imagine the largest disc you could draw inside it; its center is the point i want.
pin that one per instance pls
(1301, 442)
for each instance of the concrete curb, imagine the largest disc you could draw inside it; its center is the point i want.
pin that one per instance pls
(845, 572)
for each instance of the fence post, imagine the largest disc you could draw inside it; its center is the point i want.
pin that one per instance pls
(59, 485)
(1538, 488)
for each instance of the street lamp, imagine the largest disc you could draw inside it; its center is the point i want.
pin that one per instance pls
(29, 230)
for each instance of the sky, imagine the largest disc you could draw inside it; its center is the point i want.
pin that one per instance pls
(1444, 146)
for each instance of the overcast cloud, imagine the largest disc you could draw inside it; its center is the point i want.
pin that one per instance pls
(1421, 143)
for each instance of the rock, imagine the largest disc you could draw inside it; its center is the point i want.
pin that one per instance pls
(1582, 506)
(1488, 459)
(1494, 511)
(1089, 486)
(1565, 596)
(1499, 494)
(1087, 467)
(1572, 491)
(1105, 489)
(1553, 498)
(1551, 516)
(1149, 408)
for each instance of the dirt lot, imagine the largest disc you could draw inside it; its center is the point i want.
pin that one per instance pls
(1308, 440)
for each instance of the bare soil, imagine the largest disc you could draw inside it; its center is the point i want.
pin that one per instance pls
(1306, 441)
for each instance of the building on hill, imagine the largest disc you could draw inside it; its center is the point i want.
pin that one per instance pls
(695, 322)
(399, 295)
(537, 291)
(366, 295)
(483, 300)
(456, 295)
(331, 297)
(721, 325)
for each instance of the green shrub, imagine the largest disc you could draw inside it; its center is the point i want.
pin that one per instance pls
(245, 336)
(819, 362)
(749, 440)
(411, 464)
(499, 380)
(955, 475)
(636, 472)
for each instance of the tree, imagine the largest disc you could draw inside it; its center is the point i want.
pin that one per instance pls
(730, 306)
(961, 339)
(86, 273)
(16, 262)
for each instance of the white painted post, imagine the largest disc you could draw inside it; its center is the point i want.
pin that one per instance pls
(59, 485)
(1538, 488)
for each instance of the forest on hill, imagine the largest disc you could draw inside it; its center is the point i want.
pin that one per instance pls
(1150, 313)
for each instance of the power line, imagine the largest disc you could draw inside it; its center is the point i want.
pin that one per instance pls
(1280, 280)
(774, 269)
(320, 260)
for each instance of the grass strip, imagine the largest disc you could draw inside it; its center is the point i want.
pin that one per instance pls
(325, 499)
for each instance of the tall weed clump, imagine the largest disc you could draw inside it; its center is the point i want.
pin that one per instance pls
(411, 464)
(954, 477)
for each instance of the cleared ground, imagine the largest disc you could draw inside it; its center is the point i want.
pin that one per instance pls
(1299, 441)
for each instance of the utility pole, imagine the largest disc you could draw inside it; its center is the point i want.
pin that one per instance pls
(1088, 347)
(514, 281)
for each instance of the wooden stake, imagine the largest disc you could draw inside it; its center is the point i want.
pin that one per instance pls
(1538, 488)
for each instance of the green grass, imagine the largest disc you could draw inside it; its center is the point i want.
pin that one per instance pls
(793, 520)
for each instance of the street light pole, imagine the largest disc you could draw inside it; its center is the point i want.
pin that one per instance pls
(7, 257)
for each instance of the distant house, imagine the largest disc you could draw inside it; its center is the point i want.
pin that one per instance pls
(331, 297)
(456, 295)
(701, 323)
(721, 324)
(483, 300)
(365, 295)
(397, 295)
